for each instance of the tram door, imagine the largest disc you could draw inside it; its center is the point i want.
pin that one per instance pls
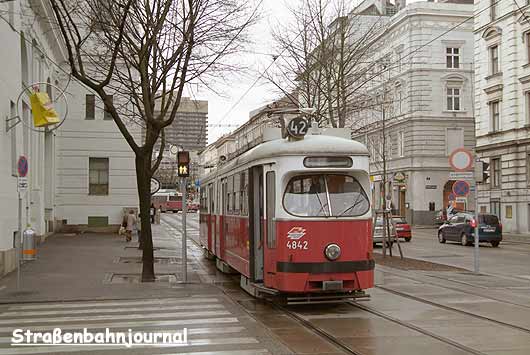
(256, 218)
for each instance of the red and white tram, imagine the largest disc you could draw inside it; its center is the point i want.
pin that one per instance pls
(293, 217)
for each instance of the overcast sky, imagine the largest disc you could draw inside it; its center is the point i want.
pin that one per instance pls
(256, 61)
(221, 109)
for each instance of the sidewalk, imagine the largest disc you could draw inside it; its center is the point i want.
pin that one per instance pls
(88, 266)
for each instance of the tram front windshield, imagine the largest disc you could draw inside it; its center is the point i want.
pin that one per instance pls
(325, 195)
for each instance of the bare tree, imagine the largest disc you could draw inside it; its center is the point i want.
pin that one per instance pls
(326, 51)
(134, 54)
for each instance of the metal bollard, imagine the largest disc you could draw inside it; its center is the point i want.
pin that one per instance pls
(29, 251)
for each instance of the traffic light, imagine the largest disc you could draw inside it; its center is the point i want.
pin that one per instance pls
(183, 164)
(482, 173)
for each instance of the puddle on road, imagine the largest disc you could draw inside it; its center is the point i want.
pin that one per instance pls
(137, 278)
(138, 260)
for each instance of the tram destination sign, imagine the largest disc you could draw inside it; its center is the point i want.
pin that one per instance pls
(297, 127)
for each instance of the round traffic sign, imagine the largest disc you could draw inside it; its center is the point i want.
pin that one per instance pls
(461, 159)
(461, 188)
(22, 166)
(155, 186)
(452, 197)
(297, 127)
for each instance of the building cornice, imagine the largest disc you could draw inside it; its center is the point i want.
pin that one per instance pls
(497, 145)
(513, 12)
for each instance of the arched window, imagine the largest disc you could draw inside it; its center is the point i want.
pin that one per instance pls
(454, 86)
(398, 98)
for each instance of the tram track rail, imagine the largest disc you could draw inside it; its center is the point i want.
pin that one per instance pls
(317, 330)
(348, 350)
(453, 309)
(454, 288)
(416, 328)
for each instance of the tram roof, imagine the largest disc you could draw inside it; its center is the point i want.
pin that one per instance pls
(310, 145)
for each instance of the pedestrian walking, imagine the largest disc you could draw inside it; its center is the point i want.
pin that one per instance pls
(131, 223)
(152, 212)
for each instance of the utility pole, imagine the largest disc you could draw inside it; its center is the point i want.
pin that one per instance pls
(184, 232)
(183, 166)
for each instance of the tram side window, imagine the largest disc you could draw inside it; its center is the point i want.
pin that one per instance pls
(322, 195)
(230, 190)
(237, 193)
(243, 199)
(211, 198)
(271, 206)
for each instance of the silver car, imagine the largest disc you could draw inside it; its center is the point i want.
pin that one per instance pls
(378, 231)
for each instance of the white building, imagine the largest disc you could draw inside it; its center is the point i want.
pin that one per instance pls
(502, 92)
(30, 49)
(95, 167)
(423, 77)
(63, 184)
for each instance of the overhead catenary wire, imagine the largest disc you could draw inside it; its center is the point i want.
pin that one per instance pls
(388, 68)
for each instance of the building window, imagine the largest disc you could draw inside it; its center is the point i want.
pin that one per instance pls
(527, 104)
(453, 57)
(495, 207)
(527, 43)
(493, 9)
(398, 99)
(98, 176)
(509, 212)
(453, 99)
(494, 59)
(401, 144)
(454, 139)
(107, 116)
(495, 172)
(90, 106)
(483, 209)
(528, 169)
(494, 116)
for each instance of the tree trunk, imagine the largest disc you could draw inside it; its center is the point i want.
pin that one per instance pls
(143, 180)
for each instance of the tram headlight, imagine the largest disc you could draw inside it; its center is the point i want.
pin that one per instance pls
(332, 252)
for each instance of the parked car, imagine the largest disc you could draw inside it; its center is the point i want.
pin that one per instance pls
(378, 231)
(402, 228)
(461, 228)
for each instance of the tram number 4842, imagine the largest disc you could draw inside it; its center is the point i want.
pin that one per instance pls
(297, 244)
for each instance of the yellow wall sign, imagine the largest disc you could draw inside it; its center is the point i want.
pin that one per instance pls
(43, 112)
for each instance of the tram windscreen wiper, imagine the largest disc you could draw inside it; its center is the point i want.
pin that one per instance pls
(322, 206)
(355, 203)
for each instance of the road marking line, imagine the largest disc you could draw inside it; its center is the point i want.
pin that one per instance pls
(111, 317)
(112, 310)
(90, 347)
(91, 304)
(136, 324)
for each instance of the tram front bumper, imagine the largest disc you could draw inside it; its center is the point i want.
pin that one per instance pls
(324, 276)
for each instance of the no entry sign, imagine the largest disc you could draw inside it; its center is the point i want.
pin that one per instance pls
(22, 166)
